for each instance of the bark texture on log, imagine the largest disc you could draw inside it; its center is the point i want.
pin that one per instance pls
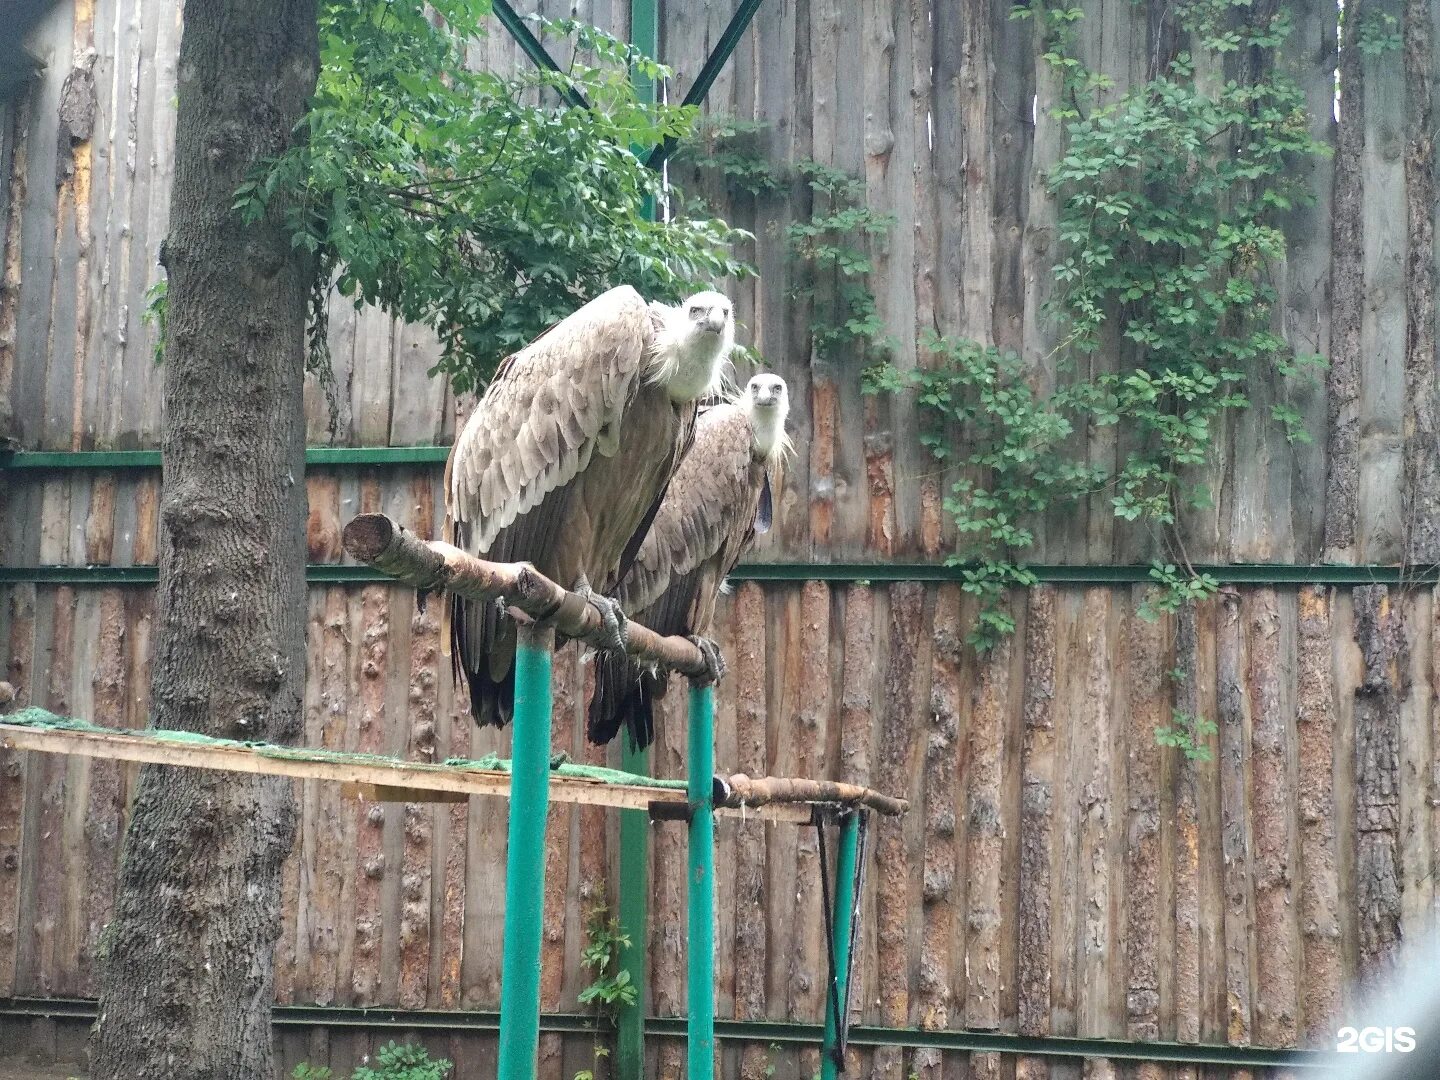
(1380, 633)
(1347, 301)
(1319, 882)
(198, 909)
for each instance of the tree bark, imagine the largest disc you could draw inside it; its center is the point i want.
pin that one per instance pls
(187, 972)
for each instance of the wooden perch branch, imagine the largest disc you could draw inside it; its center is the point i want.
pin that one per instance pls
(740, 789)
(435, 566)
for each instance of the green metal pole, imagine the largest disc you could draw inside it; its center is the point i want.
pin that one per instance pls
(525, 857)
(635, 824)
(701, 884)
(844, 913)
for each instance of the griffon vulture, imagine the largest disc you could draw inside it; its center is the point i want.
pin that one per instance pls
(567, 456)
(717, 503)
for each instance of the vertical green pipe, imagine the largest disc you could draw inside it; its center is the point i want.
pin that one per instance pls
(525, 857)
(634, 877)
(701, 885)
(844, 912)
(634, 889)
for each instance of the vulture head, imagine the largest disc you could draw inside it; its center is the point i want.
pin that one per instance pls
(693, 343)
(767, 403)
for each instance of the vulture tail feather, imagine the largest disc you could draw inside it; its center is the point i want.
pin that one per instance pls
(475, 635)
(621, 697)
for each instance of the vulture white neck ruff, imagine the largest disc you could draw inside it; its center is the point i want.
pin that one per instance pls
(688, 362)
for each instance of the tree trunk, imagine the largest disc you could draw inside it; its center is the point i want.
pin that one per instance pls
(187, 968)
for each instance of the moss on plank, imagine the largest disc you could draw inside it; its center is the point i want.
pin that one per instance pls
(44, 720)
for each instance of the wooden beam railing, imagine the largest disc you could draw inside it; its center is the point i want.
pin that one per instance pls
(434, 566)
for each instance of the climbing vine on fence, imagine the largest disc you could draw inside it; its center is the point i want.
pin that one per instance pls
(1168, 197)
(826, 238)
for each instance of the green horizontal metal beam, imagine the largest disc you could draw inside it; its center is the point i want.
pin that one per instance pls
(1231, 573)
(766, 1031)
(1259, 574)
(150, 459)
(315, 573)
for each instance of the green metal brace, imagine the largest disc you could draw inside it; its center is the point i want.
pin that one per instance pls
(837, 996)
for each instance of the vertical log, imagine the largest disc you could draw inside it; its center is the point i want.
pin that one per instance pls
(1234, 840)
(985, 844)
(892, 862)
(942, 760)
(1275, 940)
(105, 809)
(329, 866)
(1095, 1008)
(668, 939)
(1380, 524)
(1036, 843)
(751, 894)
(1305, 305)
(807, 737)
(1422, 426)
(13, 781)
(1319, 882)
(1143, 940)
(373, 656)
(557, 898)
(47, 877)
(788, 927)
(1347, 270)
(1186, 866)
(415, 873)
(856, 696)
(455, 727)
(1380, 633)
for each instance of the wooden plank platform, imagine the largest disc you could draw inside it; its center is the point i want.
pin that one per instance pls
(364, 776)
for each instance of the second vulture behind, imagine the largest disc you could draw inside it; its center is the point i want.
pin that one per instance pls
(719, 500)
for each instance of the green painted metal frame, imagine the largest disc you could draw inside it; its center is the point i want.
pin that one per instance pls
(783, 1033)
(700, 886)
(1265, 574)
(537, 52)
(27, 460)
(525, 857)
(710, 71)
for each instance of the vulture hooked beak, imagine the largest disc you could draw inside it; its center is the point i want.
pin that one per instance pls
(714, 322)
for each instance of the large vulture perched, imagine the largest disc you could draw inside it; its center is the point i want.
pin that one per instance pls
(717, 503)
(566, 458)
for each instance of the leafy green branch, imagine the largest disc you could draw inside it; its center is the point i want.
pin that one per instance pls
(1168, 197)
(476, 204)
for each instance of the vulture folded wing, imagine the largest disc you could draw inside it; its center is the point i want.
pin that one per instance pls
(547, 411)
(705, 524)
(709, 510)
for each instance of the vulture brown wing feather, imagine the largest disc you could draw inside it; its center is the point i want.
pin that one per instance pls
(510, 475)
